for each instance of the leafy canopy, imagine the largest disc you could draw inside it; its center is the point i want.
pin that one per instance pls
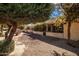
(25, 12)
(72, 11)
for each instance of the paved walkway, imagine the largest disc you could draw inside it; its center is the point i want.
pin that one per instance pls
(38, 45)
(58, 35)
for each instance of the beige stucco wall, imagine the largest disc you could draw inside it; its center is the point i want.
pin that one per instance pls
(74, 31)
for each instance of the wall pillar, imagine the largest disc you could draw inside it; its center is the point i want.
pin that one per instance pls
(51, 28)
(46, 27)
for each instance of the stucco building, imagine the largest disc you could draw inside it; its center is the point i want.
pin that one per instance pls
(74, 31)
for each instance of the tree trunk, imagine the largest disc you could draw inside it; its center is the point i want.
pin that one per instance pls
(1, 29)
(44, 30)
(69, 27)
(12, 29)
(6, 34)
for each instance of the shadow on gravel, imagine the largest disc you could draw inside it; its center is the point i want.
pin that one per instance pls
(59, 42)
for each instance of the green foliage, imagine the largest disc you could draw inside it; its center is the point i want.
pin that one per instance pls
(6, 47)
(71, 11)
(1, 35)
(25, 12)
(59, 21)
(21, 27)
(40, 27)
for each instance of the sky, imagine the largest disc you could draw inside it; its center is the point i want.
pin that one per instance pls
(56, 12)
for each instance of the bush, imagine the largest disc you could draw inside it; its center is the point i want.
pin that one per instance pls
(0, 34)
(21, 27)
(40, 27)
(6, 47)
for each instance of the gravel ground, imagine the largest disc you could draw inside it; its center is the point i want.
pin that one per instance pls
(39, 45)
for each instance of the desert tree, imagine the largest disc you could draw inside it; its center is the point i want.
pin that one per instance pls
(13, 13)
(71, 11)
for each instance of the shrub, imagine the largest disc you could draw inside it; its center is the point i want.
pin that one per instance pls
(0, 34)
(40, 27)
(6, 47)
(21, 27)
